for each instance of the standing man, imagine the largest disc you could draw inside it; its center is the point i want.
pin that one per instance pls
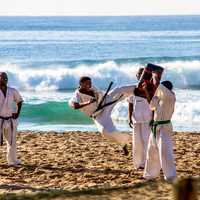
(140, 116)
(99, 105)
(8, 118)
(160, 147)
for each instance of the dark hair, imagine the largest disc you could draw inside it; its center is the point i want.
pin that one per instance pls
(139, 73)
(140, 70)
(167, 84)
(1, 73)
(84, 78)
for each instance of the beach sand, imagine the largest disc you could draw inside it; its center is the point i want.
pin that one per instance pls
(83, 165)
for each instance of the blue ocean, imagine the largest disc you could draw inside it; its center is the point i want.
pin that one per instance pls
(45, 57)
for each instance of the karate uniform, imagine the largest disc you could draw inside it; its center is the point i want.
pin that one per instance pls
(8, 126)
(102, 118)
(141, 118)
(160, 149)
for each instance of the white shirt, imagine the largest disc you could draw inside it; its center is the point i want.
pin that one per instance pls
(163, 103)
(6, 103)
(141, 109)
(79, 97)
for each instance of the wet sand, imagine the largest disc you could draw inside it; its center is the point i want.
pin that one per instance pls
(83, 165)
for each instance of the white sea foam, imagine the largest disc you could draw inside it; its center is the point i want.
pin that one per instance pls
(182, 73)
(186, 115)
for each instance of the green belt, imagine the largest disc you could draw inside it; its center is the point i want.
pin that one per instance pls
(154, 125)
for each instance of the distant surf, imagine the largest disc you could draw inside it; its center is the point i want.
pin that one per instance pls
(184, 74)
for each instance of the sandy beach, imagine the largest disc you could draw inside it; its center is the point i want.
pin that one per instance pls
(83, 165)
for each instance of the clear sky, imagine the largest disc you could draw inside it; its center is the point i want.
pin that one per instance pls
(99, 7)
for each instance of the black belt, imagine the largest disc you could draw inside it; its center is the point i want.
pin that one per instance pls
(101, 105)
(1, 126)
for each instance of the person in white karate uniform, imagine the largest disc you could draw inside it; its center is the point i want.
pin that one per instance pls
(8, 118)
(160, 147)
(140, 116)
(98, 105)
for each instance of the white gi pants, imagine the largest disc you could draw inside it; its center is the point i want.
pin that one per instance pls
(141, 132)
(160, 155)
(9, 133)
(104, 121)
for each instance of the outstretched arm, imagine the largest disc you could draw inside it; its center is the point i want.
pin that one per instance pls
(83, 104)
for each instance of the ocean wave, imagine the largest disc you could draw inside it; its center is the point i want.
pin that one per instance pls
(52, 113)
(183, 73)
(51, 63)
(67, 36)
(186, 114)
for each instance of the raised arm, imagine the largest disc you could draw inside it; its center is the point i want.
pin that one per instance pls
(144, 86)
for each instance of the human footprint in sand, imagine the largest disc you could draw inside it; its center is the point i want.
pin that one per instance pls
(8, 118)
(98, 105)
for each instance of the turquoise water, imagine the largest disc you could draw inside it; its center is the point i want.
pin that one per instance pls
(45, 56)
(53, 112)
(50, 111)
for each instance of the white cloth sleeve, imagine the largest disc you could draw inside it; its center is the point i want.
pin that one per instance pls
(74, 99)
(154, 103)
(17, 96)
